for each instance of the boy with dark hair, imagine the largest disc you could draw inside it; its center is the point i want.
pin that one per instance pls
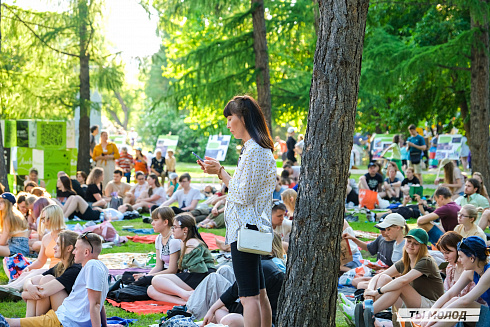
(85, 304)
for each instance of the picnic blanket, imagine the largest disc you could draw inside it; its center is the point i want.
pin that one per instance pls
(116, 260)
(143, 307)
(209, 238)
(139, 230)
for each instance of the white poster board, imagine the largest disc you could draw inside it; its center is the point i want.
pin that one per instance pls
(70, 135)
(167, 142)
(218, 146)
(449, 146)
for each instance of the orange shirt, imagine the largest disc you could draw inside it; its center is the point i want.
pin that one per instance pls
(140, 166)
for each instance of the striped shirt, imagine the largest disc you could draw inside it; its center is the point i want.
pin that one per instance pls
(249, 199)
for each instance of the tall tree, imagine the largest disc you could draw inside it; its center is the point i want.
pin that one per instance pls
(314, 246)
(3, 169)
(480, 83)
(262, 78)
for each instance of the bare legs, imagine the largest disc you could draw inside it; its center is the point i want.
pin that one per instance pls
(39, 307)
(169, 288)
(74, 203)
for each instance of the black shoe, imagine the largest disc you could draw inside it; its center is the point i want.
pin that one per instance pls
(147, 220)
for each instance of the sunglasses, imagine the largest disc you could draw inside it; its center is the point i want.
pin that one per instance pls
(84, 236)
(461, 245)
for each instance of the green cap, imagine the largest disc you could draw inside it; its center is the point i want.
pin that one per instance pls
(419, 235)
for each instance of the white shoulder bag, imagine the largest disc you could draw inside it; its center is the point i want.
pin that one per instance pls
(254, 241)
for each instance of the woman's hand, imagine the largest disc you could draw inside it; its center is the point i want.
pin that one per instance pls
(137, 276)
(210, 165)
(348, 236)
(437, 181)
(214, 211)
(208, 318)
(370, 294)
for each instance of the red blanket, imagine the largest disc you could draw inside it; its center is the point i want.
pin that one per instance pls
(209, 238)
(143, 307)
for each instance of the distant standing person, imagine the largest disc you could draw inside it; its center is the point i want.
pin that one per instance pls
(157, 164)
(291, 142)
(34, 177)
(125, 162)
(249, 201)
(140, 162)
(104, 156)
(133, 136)
(170, 162)
(416, 144)
(94, 130)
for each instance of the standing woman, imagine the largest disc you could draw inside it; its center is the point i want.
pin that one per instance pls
(250, 194)
(105, 153)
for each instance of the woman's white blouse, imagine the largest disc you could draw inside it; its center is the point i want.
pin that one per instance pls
(249, 199)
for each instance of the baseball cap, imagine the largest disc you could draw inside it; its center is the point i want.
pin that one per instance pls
(371, 164)
(419, 235)
(392, 219)
(139, 149)
(173, 175)
(291, 130)
(9, 197)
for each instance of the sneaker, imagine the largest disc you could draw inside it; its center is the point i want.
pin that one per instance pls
(348, 311)
(147, 220)
(352, 218)
(346, 301)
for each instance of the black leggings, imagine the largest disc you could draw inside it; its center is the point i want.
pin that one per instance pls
(248, 272)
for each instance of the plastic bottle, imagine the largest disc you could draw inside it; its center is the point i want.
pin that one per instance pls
(368, 304)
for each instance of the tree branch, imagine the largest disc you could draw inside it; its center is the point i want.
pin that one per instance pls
(114, 116)
(454, 68)
(38, 37)
(124, 108)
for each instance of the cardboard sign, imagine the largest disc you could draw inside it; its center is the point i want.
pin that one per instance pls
(449, 146)
(345, 252)
(217, 146)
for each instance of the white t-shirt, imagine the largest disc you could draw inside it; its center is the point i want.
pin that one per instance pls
(138, 189)
(284, 230)
(185, 200)
(75, 309)
(172, 246)
(163, 196)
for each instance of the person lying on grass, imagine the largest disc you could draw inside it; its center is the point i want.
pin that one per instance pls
(85, 304)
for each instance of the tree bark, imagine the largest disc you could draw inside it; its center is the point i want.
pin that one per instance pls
(83, 162)
(3, 167)
(480, 104)
(125, 110)
(262, 76)
(465, 115)
(309, 294)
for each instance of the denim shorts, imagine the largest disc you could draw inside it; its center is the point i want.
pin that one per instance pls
(248, 272)
(19, 245)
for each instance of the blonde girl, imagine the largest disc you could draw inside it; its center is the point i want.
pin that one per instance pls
(15, 231)
(45, 292)
(51, 221)
(289, 198)
(467, 222)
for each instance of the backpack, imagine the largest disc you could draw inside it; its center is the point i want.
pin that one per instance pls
(178, 321)
(129, 293)
(116, 202)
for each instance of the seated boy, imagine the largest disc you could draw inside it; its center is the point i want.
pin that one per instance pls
(85, 304)
(280, 225)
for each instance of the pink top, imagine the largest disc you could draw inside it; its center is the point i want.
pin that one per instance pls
(450, 281)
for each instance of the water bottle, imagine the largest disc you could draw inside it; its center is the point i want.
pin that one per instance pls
(368, 304)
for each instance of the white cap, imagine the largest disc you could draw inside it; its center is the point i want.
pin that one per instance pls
(392, 219)
(291, 130)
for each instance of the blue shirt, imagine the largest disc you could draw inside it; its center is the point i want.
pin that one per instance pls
(476, 278)
(417, 140)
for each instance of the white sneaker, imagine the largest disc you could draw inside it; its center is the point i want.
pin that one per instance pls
(349, 312)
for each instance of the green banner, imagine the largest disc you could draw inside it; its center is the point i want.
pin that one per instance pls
(10, 139)
(57, 160)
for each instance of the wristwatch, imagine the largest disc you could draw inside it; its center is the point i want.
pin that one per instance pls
(379, 290)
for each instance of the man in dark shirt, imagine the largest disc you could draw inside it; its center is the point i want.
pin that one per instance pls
(447, 211)
(416, 145)
(372, 180)
(290, 143)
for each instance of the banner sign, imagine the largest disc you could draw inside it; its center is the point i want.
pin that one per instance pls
(167, 142)
(218, 146)
(449, 146)
(380, 143)
(51, 135)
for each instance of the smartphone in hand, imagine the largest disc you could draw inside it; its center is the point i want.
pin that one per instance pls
(199, 158)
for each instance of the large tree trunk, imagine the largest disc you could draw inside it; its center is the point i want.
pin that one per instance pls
(83, 162)
(309, 294)
(262, 78)
(3, 167)
(480, 79)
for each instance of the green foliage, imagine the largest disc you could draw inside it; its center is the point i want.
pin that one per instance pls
(415, 66)
(209, 56)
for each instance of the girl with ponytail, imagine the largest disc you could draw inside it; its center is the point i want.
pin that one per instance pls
(194, 264)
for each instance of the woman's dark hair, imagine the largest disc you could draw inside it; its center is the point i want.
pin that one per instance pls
(449, 239)
(187, 220)
(247, 108)
(21, 197)
(66, 181)
(476, 184)
(444, 191)
(138, 173)
(29, 184)
(396, 138)
(157, 183)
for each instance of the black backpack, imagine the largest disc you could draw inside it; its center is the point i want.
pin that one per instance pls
(129, 293)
